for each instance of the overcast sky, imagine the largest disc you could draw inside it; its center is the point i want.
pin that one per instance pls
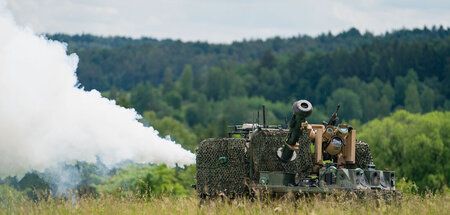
(224, 21)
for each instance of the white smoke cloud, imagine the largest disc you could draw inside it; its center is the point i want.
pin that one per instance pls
(45, 119)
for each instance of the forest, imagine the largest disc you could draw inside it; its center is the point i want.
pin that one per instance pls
(393, 88)
(203, 87)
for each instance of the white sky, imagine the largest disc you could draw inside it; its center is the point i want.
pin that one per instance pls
(224, 21)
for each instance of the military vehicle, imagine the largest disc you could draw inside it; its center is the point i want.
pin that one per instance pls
(299, 158)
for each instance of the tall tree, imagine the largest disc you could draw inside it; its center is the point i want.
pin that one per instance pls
(186, 82)
(412, 100)
(168, 81)
(427, 99)
(268, 60)
(143, 98)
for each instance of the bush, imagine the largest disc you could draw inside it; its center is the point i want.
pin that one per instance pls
(143, 180)
(416, 146)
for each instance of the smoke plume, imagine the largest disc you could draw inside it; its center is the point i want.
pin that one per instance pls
(46, 119)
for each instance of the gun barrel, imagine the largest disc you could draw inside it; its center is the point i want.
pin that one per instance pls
(334, 118)
(301, 110)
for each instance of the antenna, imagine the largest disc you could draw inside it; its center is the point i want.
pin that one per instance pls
(253, 117)
(257, 118)
(253, 122)
(264, 116)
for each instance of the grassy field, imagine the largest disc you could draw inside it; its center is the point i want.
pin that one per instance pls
(12, 202)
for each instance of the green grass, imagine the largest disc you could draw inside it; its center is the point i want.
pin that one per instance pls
(12, 202)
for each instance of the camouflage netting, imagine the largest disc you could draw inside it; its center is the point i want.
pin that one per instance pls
(264, 146)
(363, 156)
(213, 177)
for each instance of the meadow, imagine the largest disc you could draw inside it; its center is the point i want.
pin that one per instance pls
(13, 202)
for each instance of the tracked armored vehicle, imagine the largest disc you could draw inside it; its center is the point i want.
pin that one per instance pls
(299, 158)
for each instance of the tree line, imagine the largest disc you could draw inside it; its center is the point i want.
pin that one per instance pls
(124, 62)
